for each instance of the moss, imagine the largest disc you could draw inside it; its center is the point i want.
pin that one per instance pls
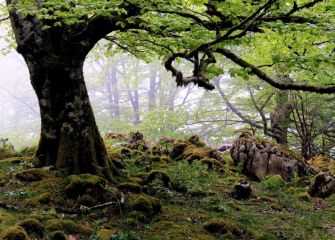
(193, 157)
(155, 159)
(178, 149)
(125, 152)
(221, 226)
(304, 197)
(130, 187)
(87, 200)
(322, 163)
(33, 226)
(77, 185)
(274, 183)
(212, 163)
(67, 226)
(31, 175)
(130, 222)
(146, 204)
(29, 151)
(57, 235)
(106, 234)
(15, 233)
(153, 175)
(139, 216)
(6, 152)
(54, 225)
(165, 159)
(194, 139)
(72, 227)
(43, 198)
(179, 187)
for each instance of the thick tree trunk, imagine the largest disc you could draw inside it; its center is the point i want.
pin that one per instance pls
(70, 139)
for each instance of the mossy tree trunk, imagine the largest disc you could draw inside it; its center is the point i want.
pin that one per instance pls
(69, 136)
(70, 139)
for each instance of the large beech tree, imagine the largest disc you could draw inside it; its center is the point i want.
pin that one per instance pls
(54, 37)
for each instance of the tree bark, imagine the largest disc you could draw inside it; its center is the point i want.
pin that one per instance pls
(280, 118)
(69, 139)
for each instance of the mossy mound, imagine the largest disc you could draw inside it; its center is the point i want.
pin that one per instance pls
(78, 185)
(221, 226)
(87, 200)
(322, 163)
(43, 198)
(16, 233)
(212, 163)
(31, 175)
(33, 227)
(130, 187)
(158, 175)
(6, 152)
(163, 146)
(193, 149)
(146, 204)
(67, 226)
(57, 235)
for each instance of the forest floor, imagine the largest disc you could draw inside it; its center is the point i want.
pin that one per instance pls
(156, 198)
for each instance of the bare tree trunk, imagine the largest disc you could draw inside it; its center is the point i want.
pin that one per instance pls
(134, 99)
(113, 92)
(280, 118)
(152, 88)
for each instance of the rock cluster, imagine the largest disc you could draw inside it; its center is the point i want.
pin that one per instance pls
(260, 158)
(323, 186)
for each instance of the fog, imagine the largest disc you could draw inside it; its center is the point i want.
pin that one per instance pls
(163, 109)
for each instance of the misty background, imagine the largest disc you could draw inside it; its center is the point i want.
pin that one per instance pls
(127, 94)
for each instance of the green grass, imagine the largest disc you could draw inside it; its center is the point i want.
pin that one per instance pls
(276, 210)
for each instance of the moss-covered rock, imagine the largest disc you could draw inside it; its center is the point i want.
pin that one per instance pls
(15, 233)
(6, 152)
(193, 149)
(211, 163)
(322, 163)
(138, 216)
(68, 226)
(323, 186)
(260, 158)
(31, 175)
(87, 200)
(57, 235)
(77, 185)
(221, 226)
(130, 187)
(43, 198)
(158, 175)
(54, 225)
(33, 227)
(146, 204)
